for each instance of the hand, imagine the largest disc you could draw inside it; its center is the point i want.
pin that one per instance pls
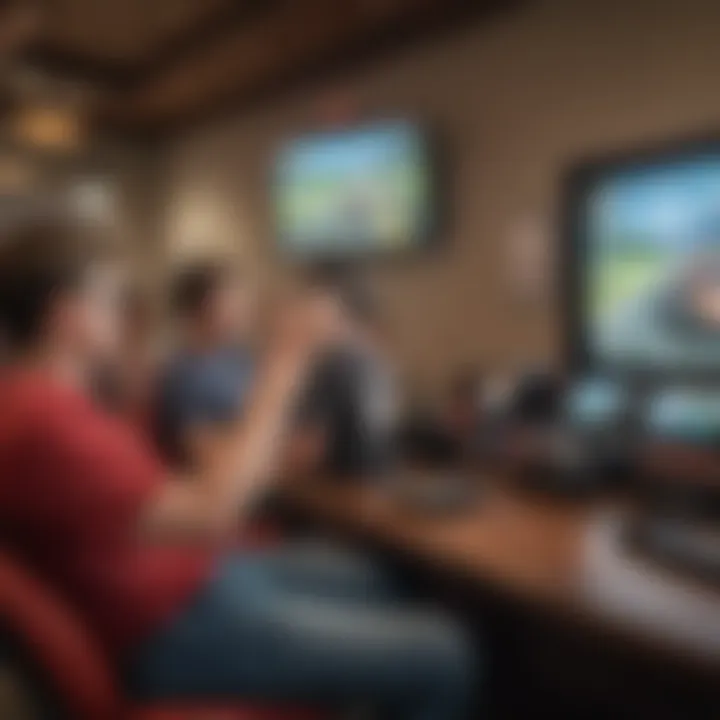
(307, 324)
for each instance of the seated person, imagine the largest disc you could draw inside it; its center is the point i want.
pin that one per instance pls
(89, 507)
(204, 385)
(352, 399)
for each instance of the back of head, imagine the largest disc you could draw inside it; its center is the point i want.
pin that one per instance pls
(193, 286)
(39, 262)
(354, 295)
(215, 303)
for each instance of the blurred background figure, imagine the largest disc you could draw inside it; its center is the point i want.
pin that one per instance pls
(204, 382)
(353, 401)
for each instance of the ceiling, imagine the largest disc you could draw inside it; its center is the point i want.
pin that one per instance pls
(156, 65)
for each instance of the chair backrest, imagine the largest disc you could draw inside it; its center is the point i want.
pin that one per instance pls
(57, 644)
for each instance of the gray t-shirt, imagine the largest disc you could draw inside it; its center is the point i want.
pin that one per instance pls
(199, 389)
(352, 395)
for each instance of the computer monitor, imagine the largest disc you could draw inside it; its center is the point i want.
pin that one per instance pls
(643, 247)
(596, 404)
(684, 414)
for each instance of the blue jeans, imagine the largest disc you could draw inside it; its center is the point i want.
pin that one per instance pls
(309, 624)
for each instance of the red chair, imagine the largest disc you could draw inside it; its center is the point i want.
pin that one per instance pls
(77, 675)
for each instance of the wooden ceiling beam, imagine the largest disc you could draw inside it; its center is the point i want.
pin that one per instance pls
(20, 21)
(116, 75)
(213, 28)
(249, 55)
(107, 75)
(240, 52)
(291, 40)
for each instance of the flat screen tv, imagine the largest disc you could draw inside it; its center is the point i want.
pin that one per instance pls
(365, 190)
(644, 262)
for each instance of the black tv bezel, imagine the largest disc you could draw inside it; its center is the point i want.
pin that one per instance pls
(575, 185)
(438, 193)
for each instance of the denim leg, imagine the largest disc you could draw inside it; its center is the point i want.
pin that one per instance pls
(324, 570)
(246, 638)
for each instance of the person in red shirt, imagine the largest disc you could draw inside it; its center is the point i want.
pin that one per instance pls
(85, 502)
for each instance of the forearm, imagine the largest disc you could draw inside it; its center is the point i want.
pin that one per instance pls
(244, 460)
(237, 467)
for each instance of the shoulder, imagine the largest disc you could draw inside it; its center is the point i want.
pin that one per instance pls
(53, 424)
(194, 387)
(174, 366)
(38, 404)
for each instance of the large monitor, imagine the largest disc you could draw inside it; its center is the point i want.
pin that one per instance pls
(364, 190)
(595, 402)
(684, 414)
(645, 262)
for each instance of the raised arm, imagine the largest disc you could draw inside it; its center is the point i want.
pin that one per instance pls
(241, 462)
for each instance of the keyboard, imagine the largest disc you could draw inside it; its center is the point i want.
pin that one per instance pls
(687, 545)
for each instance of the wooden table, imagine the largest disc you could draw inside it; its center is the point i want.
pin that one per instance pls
(544, 554)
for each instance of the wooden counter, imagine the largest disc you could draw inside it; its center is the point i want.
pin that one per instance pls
(553, 556)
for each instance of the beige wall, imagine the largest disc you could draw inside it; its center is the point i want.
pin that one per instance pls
(515, 101)
(140, 178)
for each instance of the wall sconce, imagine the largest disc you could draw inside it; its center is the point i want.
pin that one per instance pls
(49, 127)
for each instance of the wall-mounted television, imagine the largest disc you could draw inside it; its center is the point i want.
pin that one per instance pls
(644, 262)
(358, 191)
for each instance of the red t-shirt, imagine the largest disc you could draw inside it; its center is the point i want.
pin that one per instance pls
(72, 483)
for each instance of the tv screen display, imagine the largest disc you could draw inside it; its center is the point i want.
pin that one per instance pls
(595, 402)
(363, 190)
(687, 414)
(649, 264)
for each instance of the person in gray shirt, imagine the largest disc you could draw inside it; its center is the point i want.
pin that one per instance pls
(352, 399)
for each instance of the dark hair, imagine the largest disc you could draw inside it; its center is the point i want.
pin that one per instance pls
(38, 262)
(193, 286)
(355, 295)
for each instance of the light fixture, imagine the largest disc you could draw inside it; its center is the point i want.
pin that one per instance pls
(50, 112)
(48, 127)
